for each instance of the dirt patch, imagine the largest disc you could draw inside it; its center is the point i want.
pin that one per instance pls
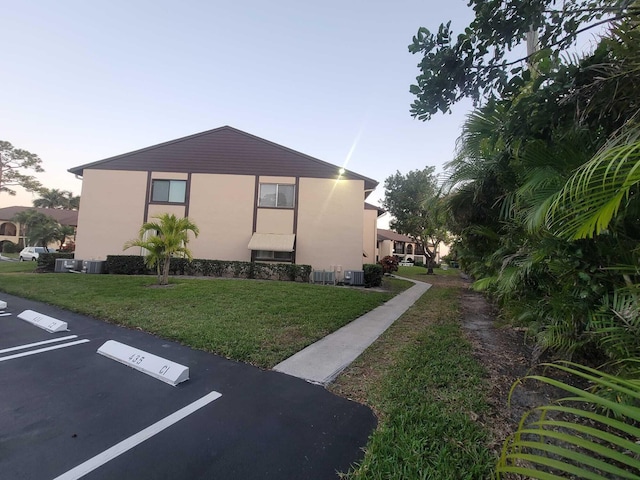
(506, 356)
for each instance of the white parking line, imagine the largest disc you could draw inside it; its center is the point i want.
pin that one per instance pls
(41, 350)
(127, 444)
(4, 314)
(44, 342)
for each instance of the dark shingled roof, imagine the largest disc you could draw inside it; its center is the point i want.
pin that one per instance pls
(224, 150)
(63, 217)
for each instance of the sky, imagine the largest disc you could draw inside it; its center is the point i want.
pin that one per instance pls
(83, 81)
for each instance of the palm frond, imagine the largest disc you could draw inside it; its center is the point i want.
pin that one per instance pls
(572, 436)
(595, 193)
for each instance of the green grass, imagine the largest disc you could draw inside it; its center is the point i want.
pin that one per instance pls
(420, 273)
(11, 267)
(259, 322)
(428, 392)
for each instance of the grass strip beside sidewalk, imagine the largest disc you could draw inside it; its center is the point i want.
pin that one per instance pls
(427, 389)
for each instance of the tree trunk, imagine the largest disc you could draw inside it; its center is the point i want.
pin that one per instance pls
(429, 256)
(165, 271)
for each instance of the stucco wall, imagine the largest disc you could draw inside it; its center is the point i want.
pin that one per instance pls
(331, 226)
(111, 213)
(385, 249)
(369, 235)
(222, 207)
(330, 223)
(274, 220)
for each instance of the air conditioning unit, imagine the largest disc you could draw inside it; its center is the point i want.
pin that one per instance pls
(93, 266)
(323, 276)
(67, 265)
(354, 277)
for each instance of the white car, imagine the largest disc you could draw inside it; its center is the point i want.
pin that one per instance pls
(31, 253)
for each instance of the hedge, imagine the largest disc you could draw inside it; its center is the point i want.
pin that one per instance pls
(372, 274)
(134, 265)
(10, 247)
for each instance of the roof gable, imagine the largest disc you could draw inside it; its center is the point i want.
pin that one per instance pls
(224, 150)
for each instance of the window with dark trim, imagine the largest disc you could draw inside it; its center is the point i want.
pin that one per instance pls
(169, 191)
(272, 256)
(277, 195)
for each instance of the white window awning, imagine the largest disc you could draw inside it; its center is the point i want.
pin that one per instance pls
(275, 242)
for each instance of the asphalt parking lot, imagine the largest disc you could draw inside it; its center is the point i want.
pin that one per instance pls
(67, 412)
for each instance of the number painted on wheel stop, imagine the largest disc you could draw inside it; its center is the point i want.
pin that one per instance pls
(50, 324)
(157, 367)
(137, 359)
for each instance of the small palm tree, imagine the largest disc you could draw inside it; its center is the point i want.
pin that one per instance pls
(169, 238)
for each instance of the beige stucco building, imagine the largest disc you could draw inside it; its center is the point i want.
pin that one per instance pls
(253, 200)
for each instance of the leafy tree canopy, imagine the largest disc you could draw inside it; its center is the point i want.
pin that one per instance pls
(476, 63)
(13, 161)
(415, 203)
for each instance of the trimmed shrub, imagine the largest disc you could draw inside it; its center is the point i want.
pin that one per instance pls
(372, 275)
(10, 247)
(389, 264)
(47, 261)
(126, 265)
(134, 265)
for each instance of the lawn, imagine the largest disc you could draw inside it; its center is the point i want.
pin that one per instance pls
(428, 391)
(11, 267)
(420, 273)
(258, 322)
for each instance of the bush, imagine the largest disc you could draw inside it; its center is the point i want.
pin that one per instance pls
(389, 264)
(419, 263)
(10, 247)
(126, 265)
(372, 275)
(134, 265)
(47, 261)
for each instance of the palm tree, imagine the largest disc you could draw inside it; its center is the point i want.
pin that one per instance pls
(37, 228)
(51, 198)
(54, 198)
(166, 238)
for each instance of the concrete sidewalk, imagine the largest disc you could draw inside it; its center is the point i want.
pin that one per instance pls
(322, 361)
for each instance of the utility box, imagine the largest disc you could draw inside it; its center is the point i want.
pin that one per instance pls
(93, 266)
(354, 277)
(67, 265)
(323, 276)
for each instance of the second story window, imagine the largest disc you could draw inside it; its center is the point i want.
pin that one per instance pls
(169, 191)
(276, 195)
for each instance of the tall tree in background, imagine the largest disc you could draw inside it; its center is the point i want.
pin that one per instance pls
(166, 238)
(418, 209)
(13, 163)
